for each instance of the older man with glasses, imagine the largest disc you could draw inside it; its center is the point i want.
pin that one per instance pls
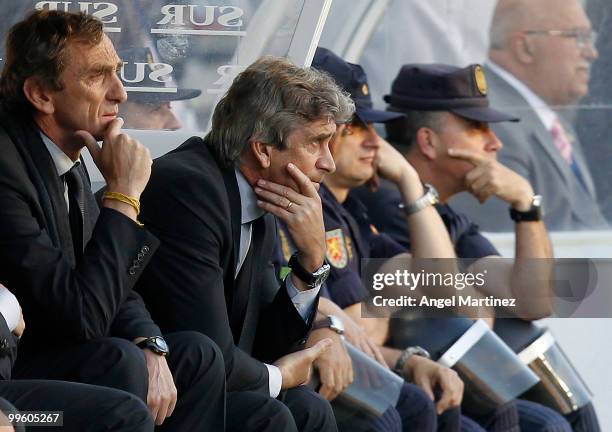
(540, 58)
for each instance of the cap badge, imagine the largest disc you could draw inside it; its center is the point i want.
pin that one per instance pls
(365, 90)
(481, 80)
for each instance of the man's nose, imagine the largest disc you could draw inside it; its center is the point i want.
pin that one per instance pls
(326, 161)
(171, 121)
(117, 92)
(590, 52)
(373, 140)
(494, 143)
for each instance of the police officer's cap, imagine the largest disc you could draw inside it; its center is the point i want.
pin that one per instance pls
(438, 87)
(352, 79)
(144, 91)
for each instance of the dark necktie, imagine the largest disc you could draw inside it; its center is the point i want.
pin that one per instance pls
(83, 208)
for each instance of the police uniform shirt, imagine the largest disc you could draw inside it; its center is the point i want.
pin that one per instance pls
(349, 237)
(390, 219)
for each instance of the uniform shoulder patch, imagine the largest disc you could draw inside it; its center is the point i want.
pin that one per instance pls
(336, 252)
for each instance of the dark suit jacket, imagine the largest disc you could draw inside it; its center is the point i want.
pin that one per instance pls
(529, 150)
(8, 350)
(64, 303)
(193, 206)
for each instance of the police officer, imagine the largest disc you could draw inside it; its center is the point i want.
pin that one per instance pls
(446, 137)
(348, 240)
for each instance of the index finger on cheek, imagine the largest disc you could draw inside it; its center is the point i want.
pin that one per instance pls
(304, 184)
(466, 155)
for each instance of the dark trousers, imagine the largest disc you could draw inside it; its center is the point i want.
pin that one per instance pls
(504, 418)
(85, 408)
(195, 361)
(418, 413)
(534, 417)
(416, 409)
(301, 409)
(584, 419)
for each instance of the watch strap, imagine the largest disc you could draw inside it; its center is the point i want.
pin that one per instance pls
(534, 214)
(302, 274)
(322, 323)
(429, 198)
(405, 356)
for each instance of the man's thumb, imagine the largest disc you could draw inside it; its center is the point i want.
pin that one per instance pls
(320, 347)
(90, 142)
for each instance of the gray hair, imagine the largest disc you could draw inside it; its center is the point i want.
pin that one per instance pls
(269, 100)
(510, 16)
(401, 133)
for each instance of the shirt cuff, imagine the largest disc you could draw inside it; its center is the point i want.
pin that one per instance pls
(9, 308)
(275, 379)
(302, 300)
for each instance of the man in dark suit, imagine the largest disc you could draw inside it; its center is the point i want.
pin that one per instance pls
(71, 265)
(265, 156)
(539, 65)
(83, 407)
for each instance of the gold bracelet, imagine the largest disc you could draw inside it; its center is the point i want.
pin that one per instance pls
(118, 196)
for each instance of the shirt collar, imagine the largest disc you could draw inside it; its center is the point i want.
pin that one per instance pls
(248, 200)
(546, 115)
(62, 162)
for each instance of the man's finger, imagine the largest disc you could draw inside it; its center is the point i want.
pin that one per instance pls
(172, 404)
(327, 382)
(445, 401)
(319, 348)
(425, 386)
(379, 357)
(281, 190)
(304, 184)
(114, 128)
(277, 211)
(475, 174)
(161, 414)
(91, 144)
(153, 407)
(467, 155)
(274, 198)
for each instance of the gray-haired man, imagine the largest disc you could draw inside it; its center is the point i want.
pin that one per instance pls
(265, 156)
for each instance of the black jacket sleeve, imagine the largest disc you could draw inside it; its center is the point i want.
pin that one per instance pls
(77, 303)
(8, 349)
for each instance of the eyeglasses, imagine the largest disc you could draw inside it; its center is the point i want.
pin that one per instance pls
(583, 37)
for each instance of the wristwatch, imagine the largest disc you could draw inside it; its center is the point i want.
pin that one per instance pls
(534, 214)
(157, 344)
(429, 198)
(406, 354)
(312, 280)
(331, 322)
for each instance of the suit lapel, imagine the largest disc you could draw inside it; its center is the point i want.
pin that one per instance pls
(514, 103)
(580, 160)
(43, 174)
(233, 195)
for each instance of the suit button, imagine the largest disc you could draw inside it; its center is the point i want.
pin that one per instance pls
(4, 343)
(145, 249)
(140, 256)
(132, 271)
(302, 341)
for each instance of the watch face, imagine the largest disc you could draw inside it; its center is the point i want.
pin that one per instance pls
(159, 345)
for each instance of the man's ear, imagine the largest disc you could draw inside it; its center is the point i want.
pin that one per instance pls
(40, 97)
(261, 153)
(427, 142)
(523, 49)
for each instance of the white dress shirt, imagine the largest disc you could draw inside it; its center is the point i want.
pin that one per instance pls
(302, 300)
(62, 162)
(544, 112)
(9, 308)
